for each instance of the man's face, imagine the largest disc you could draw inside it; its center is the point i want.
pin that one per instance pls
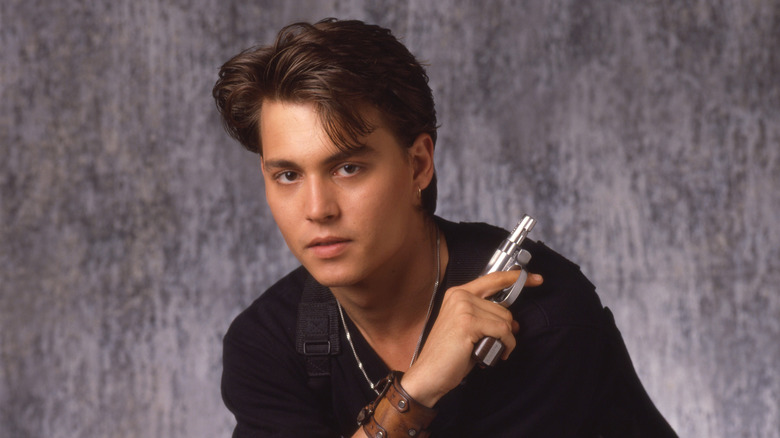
(346, 216)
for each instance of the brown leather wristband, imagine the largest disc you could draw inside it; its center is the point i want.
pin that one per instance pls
(394, 413)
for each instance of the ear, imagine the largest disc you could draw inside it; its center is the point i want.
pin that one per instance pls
(421, 159)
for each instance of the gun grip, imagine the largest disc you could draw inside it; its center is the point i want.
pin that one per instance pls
(488, 352)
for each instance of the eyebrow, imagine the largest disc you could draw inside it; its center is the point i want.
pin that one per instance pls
(341, 155)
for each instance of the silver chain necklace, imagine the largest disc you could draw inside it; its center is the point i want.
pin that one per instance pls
(419, 340)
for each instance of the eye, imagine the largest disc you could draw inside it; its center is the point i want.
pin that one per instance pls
(287, 177)
(348, 169)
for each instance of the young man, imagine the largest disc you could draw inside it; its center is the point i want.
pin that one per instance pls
(381, 319)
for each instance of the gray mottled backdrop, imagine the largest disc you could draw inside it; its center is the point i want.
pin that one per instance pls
(643, 135)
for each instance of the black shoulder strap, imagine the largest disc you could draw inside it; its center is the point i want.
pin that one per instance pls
(317, 328)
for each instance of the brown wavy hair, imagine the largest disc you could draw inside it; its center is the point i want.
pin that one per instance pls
(340, 66)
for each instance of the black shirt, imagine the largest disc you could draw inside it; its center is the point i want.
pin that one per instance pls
(569, 375)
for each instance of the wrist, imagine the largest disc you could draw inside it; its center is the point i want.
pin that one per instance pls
(419, 388)
(395, 413)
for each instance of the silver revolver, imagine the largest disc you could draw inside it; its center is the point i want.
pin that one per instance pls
(508, 257)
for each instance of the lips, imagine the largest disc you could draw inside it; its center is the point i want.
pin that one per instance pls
(328, 247)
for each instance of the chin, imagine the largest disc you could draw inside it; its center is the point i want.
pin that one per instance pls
(330, 277)
(335, 282)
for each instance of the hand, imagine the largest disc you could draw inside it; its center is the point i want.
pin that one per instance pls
(465, 318)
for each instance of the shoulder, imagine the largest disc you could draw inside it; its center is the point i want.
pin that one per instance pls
(472, 234)
(566, 298)
(264, 379)
(272, 316)
(470, 246)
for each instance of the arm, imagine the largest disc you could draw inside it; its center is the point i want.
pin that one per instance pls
(264, 381)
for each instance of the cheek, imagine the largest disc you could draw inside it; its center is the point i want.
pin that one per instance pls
(391, 198)
(282, 213)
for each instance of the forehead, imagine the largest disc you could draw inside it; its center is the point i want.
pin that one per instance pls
(279, 118)
(296, 128)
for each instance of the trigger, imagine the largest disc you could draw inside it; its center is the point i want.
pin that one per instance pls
(516, 288)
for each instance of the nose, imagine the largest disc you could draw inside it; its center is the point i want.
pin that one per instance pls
(321, 201)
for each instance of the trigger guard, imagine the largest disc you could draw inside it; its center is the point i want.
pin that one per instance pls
(516, 289)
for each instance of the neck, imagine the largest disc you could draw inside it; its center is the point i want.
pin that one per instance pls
(391, 307)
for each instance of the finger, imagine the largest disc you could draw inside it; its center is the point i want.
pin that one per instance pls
(459, 301)
(534, 280)
(488, 285)
(496, 316)
(489, 307)
(505, 334)
(496, 322)
(501, 331)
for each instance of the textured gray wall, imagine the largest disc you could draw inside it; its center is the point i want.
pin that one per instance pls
(643, 135)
